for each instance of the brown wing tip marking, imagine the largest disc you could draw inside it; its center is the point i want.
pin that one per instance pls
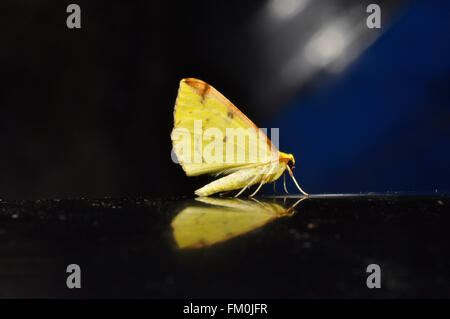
(198, 85)
(202, 89)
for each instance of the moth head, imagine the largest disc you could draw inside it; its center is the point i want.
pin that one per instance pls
(291, 162)
(288, 159)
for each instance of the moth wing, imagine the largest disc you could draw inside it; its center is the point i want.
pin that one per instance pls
(199, 226)
(198, 101)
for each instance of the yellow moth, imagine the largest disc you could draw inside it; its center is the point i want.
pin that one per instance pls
(212, 136)
(222, 219)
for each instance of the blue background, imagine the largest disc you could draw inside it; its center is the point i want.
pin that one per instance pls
(384, 123)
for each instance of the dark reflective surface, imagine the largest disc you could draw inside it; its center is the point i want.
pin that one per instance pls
(198, 226)
(187, 248)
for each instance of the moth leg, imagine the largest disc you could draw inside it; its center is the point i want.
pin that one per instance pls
(258, 202)
(275, 188)
(246, 186)
(295, 181)
(284, 183)
(257, 190)
(263, 181)
(241, 191)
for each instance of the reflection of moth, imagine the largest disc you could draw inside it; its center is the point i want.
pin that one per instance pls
(200, 226)
(212, 136)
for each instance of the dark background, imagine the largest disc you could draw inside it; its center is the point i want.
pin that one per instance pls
(88, 112)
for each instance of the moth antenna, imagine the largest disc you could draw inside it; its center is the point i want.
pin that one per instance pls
(275, 188)
(295, 181)
(298, 202)
(284, 184)
(290, 209)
